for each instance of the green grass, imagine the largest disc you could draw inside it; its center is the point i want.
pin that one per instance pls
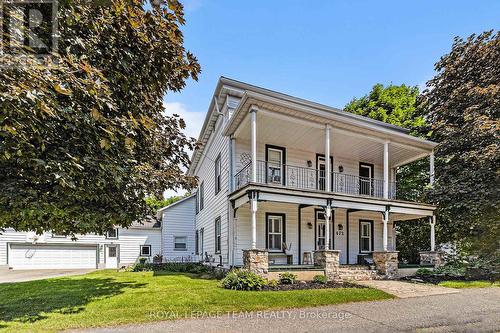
(469, 284)
(107, 298)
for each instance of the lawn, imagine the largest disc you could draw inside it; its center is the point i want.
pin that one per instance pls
(106, 298)
(469, 284)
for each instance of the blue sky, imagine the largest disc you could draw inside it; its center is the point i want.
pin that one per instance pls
(325, 51)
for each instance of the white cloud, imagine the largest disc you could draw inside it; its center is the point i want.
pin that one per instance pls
(194, 120)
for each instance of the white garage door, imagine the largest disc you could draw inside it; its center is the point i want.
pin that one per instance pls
(23, 256)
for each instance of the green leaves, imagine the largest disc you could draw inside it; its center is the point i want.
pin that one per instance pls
(84, 140)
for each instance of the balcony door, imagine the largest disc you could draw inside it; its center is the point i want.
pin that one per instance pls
(321, 171)
(275, 165)
(365, 178)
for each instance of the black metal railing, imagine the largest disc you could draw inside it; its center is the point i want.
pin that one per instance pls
(291, 176)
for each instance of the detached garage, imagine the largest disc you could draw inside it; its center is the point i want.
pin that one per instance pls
(45, 256)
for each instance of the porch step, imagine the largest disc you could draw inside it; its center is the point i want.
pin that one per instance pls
(357, 273)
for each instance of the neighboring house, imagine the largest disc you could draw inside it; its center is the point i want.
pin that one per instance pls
(177, 231)
(119, 247)
(272, 168)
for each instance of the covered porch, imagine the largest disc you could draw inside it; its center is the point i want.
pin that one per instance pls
(291, 227)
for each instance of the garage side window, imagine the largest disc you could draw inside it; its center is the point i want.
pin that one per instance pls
(145, 250)
(112, 234)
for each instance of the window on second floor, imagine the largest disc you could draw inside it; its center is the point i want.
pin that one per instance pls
(218, 167)
(197, 242)
(218, 238)
(201, 195)
(112, 234)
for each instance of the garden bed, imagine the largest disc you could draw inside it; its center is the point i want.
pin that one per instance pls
(305, 285)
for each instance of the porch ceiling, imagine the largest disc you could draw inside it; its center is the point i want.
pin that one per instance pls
(286, 131)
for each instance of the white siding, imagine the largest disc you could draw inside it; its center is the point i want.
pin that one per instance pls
(243, 230)
(179, 220)
(128, 239)
(215, 205)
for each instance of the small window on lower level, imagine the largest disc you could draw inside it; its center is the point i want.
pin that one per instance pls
(145, 250)
(180, 243)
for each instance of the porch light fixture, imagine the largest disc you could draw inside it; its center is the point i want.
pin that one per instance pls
(340, 227)
(309, 163)
(309, 225)
(341, 168)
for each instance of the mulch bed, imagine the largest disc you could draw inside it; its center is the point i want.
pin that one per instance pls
(304, 285)
(434, 279)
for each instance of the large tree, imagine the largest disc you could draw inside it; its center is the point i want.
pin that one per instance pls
(397, 105)
(85, 140)
(463, 102)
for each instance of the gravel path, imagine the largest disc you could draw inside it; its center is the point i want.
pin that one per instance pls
(472, 310)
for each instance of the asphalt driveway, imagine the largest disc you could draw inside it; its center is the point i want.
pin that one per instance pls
(472, 310)
(9, 276)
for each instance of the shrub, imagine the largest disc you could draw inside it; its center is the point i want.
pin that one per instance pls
(320, 279)
(424, 272)
(190, 267)
(142, 260)
(239, 279)
(288, 278)
(273, 283)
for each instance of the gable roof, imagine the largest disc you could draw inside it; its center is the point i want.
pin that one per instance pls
(160, 211)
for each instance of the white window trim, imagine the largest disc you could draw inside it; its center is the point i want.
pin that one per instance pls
(142, 254)
(185, 243)
(370, 245)
(218, 235)
(114, 237)
(269, 232)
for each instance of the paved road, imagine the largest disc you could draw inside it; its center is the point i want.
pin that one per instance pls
(9, 275)
(472, 310)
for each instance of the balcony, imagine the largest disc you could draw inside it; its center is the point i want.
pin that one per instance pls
(310, 179)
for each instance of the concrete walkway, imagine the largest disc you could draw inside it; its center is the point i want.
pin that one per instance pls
(472, 310)
(403, 289)
(10, 276)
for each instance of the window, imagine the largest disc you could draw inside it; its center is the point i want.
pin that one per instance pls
(275, 160)
(275, 231)
(145, 250)
(112, 234)
(217, 235)
(365, 236)
(201, 246)
(197, 242)
(180, 243)
(202, 195)
(218, 167)
(197, 197)
(54, 235)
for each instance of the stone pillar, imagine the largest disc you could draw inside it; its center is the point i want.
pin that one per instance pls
(431, 258)
(256, 261)
(330, 261)
(386, 263)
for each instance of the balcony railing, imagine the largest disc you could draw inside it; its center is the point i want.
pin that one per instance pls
(295, 177)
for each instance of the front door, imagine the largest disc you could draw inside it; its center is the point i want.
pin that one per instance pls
(111, 256)
(275, 160)
(321, 231)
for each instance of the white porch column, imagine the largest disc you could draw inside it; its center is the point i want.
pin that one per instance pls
(232, 151)
(433, 236)
(431, 169)
(328, 214)
(328, 185)
(253, 211)
(253, 139)
(384, 230)
(386, 170)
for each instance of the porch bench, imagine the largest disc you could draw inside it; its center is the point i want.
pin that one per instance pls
(274, 255)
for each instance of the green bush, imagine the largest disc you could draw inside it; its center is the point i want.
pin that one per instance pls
(288, 278)
(181, 267)
(273, 283)
(142, 260)
(424, 272)
(239, 279)
(320, 279)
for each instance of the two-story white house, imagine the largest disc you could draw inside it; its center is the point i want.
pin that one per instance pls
(285, 177)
